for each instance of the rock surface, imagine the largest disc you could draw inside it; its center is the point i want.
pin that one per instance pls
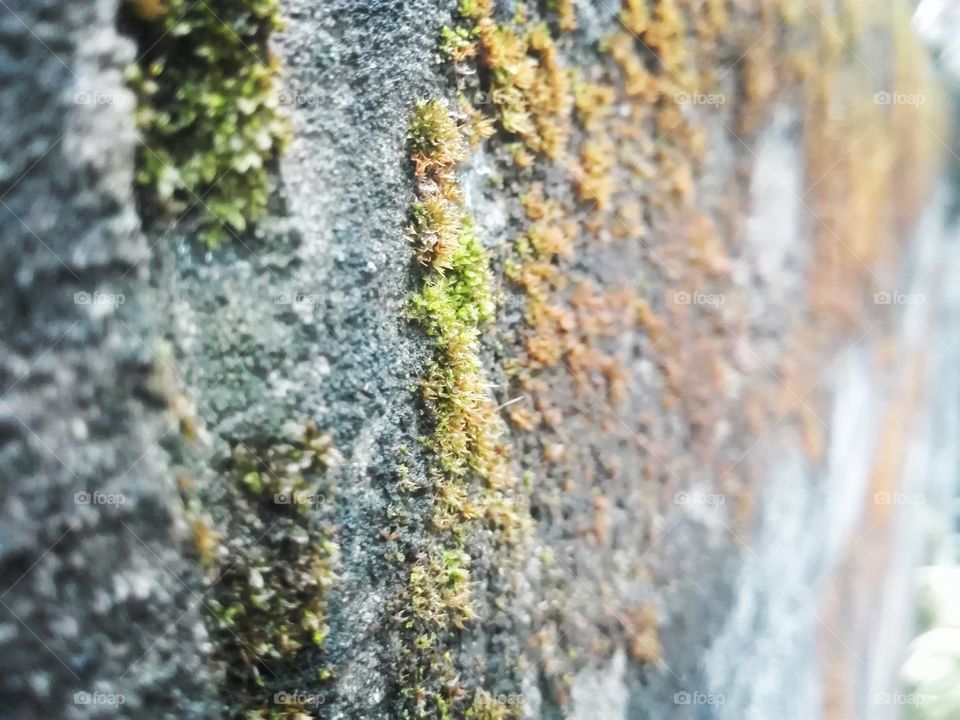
(717, 451)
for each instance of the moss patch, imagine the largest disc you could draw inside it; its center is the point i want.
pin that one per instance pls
(209, 112)
(470, 479)
(609, 147)
(269, 568)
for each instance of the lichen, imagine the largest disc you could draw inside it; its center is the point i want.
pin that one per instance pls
(208, 111)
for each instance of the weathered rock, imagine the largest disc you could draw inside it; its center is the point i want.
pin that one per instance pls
(699, 406)
(100, 600)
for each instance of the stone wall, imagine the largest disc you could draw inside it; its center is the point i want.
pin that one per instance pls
(574, 365)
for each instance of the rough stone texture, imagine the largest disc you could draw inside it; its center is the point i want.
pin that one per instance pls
(304, 318)
(98, 600)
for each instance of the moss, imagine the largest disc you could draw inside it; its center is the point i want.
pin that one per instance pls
(148, 9)
(713, 23)
(487, 707)
(270, 566)
(437, 227)
(594, 104)
(456, 300)
(457, 43)
(440, 590)
(595, 181)
(633, 160)
(639, 82)
(478, 127)
(469, 476)
(641, 627)
(622, 139)
(527, 87)
(436, 144)
(566, 15)
(667, 35)
(521, 157)
(476, 9)
(635, 16)
(206, 540)
(208, 111)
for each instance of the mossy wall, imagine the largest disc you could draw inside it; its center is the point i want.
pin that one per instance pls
(482, 338)
(566, 246)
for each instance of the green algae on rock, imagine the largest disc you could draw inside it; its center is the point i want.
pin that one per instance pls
(208, 110)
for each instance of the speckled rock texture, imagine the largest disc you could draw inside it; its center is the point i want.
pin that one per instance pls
(99, 599)
(713, 474)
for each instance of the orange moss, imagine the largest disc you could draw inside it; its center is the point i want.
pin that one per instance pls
(528, 87)
(594, 104)
(639, 83)
(635, 16)
(567, 15)
(595, 182)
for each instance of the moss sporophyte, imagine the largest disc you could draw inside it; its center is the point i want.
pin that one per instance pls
(208, 110)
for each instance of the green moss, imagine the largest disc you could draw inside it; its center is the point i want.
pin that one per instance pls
(486, 707)
(454, 306)
(208, 111)
(435, 140)
(457, 43)
(273, 568)
(437, 225)
(440, 590)
(456, 300)
(469, 477)
(475, 9)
